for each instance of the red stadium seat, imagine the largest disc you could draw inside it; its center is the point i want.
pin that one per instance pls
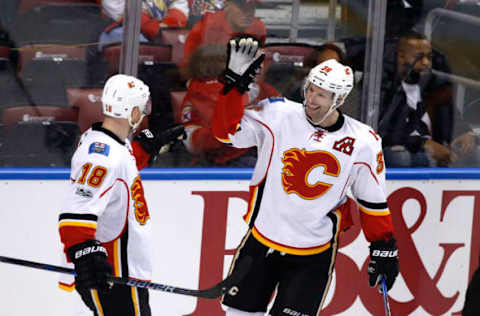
(147, 53)
(12, 116)
(175, 37)
(48, 51)
(288, 52)
(176, 98)
(89, 105)
(4, 52)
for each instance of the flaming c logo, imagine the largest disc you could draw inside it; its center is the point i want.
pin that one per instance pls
(141, 209)
(297, 164)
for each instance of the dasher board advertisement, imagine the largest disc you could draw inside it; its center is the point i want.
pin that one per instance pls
(198, 223)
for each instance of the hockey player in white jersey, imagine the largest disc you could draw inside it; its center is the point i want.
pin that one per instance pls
(105, 224)
(309, 156)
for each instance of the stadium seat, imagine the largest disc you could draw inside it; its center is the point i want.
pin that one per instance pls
(4, 52)
(13, 92)
(147, 54)
(38, 144)
(176, 98)
(46, 79)
(283, 67)
(17, 114)
(89, 105)
(26, 5)
(58, 52)
(175, 37)
(294, 53)
(65, 23)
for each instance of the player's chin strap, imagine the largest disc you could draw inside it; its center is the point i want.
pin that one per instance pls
(335, 105)
(134, 126)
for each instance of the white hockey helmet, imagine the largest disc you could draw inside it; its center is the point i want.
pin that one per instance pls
(331, 76)
(121, 94)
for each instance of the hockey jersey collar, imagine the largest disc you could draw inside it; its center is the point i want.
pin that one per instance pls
(98, 127)
(335, 126)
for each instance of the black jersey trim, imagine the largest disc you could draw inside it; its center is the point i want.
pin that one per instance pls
(335, 126)
(85, 217)
(256, 207)
(98, 127)
(375, 206)
(124, 252)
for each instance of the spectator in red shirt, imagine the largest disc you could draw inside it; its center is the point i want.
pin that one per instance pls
(156, 14)
(196, 113)
(237, 16)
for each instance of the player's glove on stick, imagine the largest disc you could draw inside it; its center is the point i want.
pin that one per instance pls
(243, 63)
(152, 142)
(383, 262)
(91, 265)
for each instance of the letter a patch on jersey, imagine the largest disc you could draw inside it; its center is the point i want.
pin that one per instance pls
(99, 148)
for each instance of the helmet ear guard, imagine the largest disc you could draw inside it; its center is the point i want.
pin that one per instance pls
(121, 94)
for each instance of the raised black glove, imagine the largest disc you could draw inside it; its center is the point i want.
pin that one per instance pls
(243, 63)
(91, 265)
(152, 141)
(383, 262)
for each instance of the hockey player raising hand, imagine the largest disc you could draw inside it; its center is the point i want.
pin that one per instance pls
(309, 156)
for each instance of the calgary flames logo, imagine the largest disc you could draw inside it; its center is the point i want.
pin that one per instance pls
(141, 209)
(297, 166)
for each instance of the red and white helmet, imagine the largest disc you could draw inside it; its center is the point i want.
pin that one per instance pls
(334, 77)
(121, 94)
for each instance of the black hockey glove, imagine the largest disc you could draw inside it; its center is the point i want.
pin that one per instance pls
(91, 265)
(383, 262)
(152, 142)
(243, 63)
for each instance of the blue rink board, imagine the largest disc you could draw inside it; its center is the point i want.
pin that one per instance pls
(234, 173)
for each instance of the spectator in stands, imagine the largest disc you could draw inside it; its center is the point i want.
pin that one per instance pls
(156, 14)
(199, 8)
(204, 66)
(321, 54)
(237, 16)
(404, 123)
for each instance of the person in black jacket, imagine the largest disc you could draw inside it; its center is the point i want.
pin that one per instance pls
(418, 122)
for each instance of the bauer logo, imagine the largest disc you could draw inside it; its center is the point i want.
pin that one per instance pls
(385, 253)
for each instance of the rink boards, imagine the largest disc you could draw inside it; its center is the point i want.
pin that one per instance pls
(197, 221)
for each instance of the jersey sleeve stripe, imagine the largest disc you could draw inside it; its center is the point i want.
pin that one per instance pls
(85, 224)
(224, 140)
(374, 212)
(66, 287)
(375, 206)
(73, 216)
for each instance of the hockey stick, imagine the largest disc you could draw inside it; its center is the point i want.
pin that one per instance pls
(385, 298)
(218, 290)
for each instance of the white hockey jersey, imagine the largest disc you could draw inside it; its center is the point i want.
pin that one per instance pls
(105, 201)
(304, 172)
